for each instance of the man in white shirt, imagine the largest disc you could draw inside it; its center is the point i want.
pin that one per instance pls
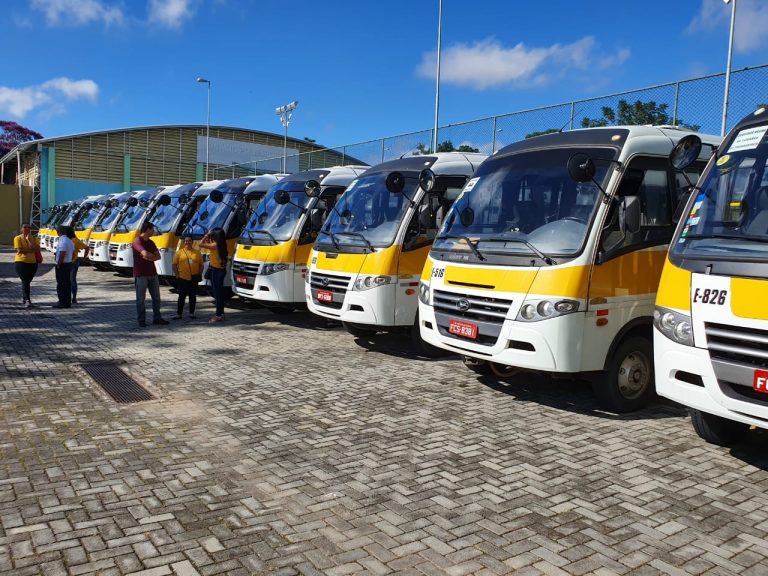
(63, 259)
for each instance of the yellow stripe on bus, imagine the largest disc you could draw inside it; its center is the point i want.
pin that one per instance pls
(748, 298)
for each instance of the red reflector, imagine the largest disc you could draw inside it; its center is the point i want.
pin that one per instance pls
(601, 321)
(413, 283)
(602, 312)
(410, 291)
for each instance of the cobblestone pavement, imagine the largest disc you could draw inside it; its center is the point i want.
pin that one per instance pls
(278, 445)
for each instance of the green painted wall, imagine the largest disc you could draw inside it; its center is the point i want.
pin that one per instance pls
(199, 172)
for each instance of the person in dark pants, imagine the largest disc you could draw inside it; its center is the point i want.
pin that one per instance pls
(216, 243)
(63, 257)
(145, 254)
(79, 245)
(26, 247)
(188, 268)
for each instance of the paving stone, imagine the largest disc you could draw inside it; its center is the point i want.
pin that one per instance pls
(280, 445)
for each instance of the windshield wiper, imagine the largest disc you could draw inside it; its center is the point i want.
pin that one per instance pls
(267, 232)
(531, 247)
(724, 237)
(466, 239)
(358, 235)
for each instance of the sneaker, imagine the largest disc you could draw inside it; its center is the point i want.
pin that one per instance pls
(216, 319)
(74, 300)
(177, 317)
(161, 321)
(27, 304)
(30, 305)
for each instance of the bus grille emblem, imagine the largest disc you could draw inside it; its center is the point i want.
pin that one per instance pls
(462, 304)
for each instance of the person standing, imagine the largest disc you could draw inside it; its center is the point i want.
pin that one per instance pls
(145, 254)
(25, 262)
(63, 258)
(188, 268)
(216, 242)
(79, 245)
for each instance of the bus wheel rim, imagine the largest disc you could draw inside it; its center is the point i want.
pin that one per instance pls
(634, 375)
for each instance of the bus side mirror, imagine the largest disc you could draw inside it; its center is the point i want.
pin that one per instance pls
(581, 168)
(183, 199)
(132, 202)
(685, 152)
(164, 200)
(282, 197)
(216, 196)
(427, 179)
(395, 182)
(311, 189)
(629, 215)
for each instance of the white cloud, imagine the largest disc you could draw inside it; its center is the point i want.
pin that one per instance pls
(78, 12)
(751, 22)
(487, 63)
(171, 13)
(18, 102)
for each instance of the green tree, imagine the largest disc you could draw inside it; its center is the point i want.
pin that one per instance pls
(445, 146)
(541, 133)
(638, 113)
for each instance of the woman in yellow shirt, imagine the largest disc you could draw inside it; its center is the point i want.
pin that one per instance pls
(216, 242)
(25, 262)
(188, 269)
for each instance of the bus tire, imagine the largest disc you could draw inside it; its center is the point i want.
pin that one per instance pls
(424, 348)
(716, 429)
(502, 371)
(628, 384)
(477, 366)
(359, 331)
(280, 310)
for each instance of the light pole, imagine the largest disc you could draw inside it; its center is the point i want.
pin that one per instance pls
(285, 113)
(207, 124)
(437, 74)
(728, 68)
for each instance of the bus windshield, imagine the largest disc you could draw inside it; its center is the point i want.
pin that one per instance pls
(272, 222)
(729, 215)
(369, 210)
(131, 219)
(209, 215)
(110, 215)
(526, 204)
(90, 217)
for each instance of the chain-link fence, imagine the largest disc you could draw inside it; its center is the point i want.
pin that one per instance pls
(695, 103)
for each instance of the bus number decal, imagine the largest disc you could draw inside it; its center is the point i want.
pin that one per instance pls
(710, 296)
(438, 272)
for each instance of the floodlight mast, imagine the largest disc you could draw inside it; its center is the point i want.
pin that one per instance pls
(285, 113)
(207, 124)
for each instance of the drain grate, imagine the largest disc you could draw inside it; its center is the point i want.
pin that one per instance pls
(121, 387)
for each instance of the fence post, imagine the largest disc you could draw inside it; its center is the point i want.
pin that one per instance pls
(382, 149)
(674, 109)
(573, 112)
(493, 145)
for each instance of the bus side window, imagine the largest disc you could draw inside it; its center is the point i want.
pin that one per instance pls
(649, 179)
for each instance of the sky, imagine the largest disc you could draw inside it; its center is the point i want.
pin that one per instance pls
(360, 70)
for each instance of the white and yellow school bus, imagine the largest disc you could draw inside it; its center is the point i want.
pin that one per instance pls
(368, 256)
(92, 209)
(711, 317)
(229, 206)
(47, 234)
(550, 258)
(98, 243)
(140, 207)
(270, 262)
(171, 217)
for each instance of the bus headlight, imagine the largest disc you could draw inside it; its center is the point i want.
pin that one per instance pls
(537, 310)
(271, 268)
(123, 247)
(368, 282)
(424, 292)
(675, 326)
